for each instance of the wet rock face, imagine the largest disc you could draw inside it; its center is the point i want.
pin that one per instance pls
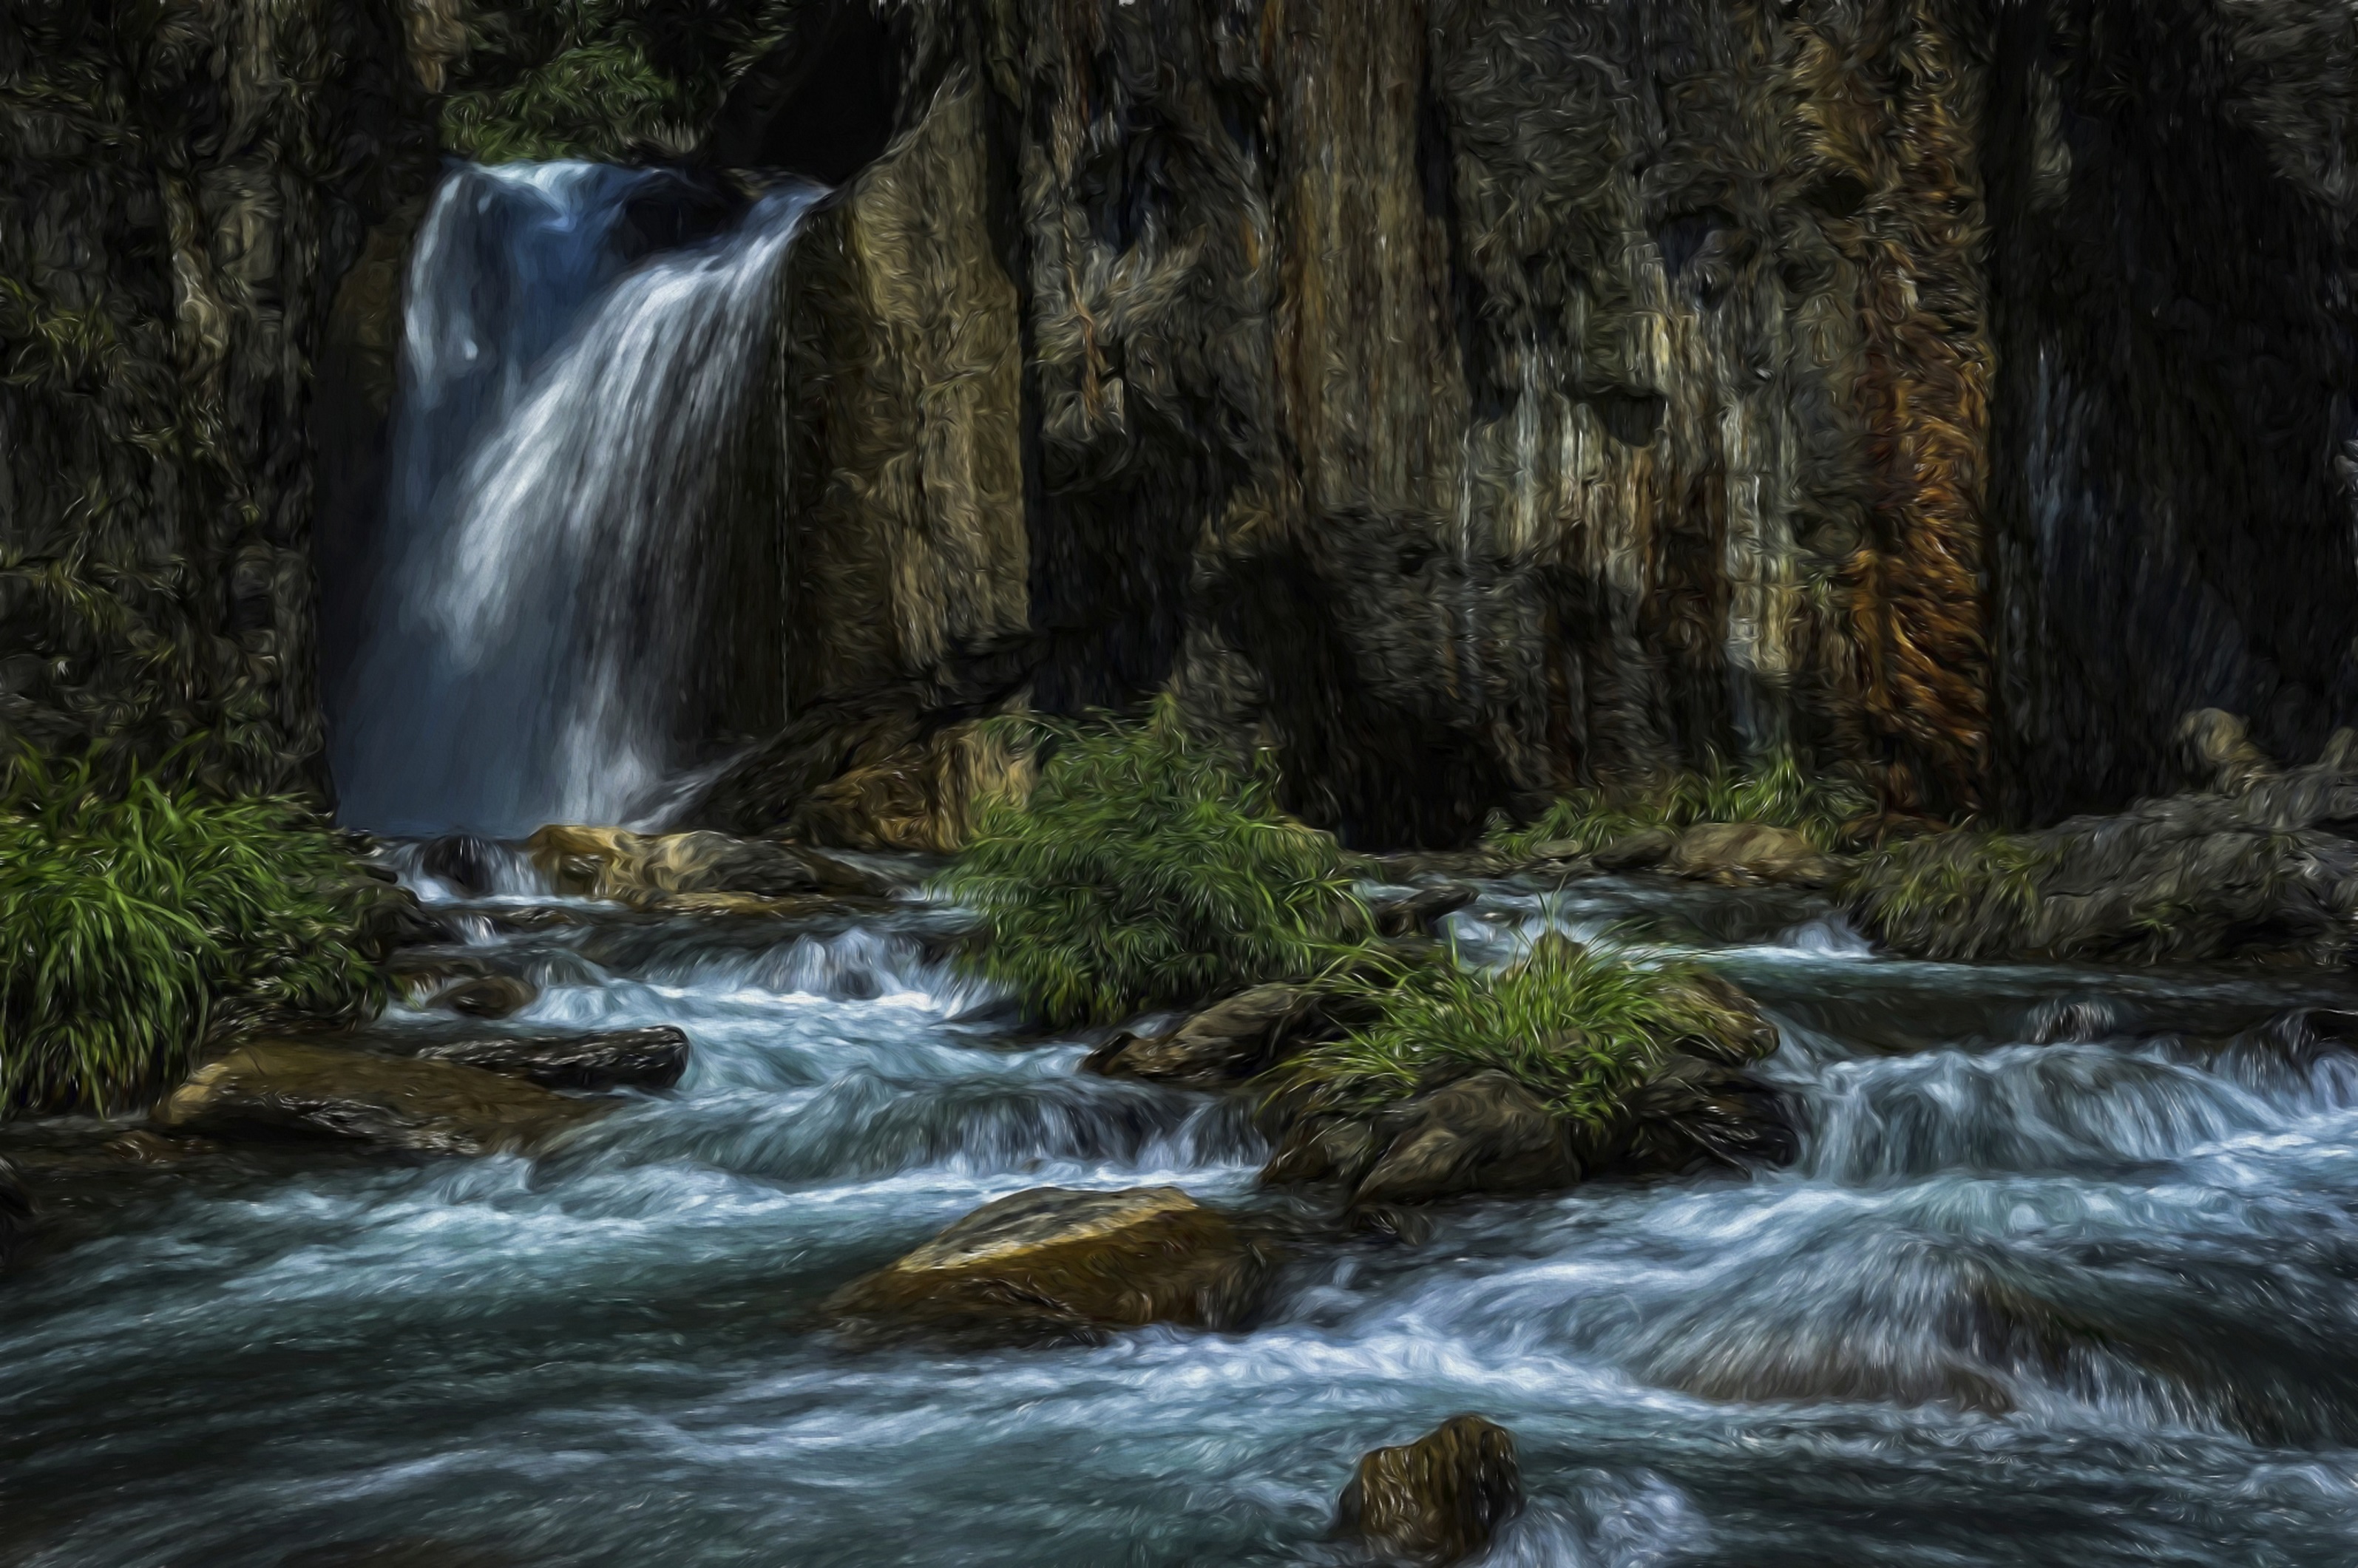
(1740, 854)
(282, 1089)
(169, 258)
(1056, 1262)
(490, 995)
(645, 870)
(1484, 1134)
(1435, 1501)
(628, 1058)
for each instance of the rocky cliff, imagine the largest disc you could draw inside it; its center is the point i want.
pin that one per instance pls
(1465, 397)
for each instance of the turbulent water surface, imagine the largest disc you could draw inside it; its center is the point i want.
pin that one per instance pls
(2087, 1302)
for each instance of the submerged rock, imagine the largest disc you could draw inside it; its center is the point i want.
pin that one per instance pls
(625, 1058)
(1061, 1261)
(1225, 1044)
(280, 1088)
(15, 1212)
(1437, 1501)
(464, 862)
(490, 995)
(1740, 854)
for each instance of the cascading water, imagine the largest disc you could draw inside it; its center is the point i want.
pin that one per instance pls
(2084, 1304)
(560, 451)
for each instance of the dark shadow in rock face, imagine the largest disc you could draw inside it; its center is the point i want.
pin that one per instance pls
(821, 103)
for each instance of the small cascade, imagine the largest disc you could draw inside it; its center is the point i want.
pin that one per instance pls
(562, 447)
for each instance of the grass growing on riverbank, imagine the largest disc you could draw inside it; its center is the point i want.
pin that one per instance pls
(130, 912)
(1775, 791)
(1580, 1026)
(1970, 893)
(1146, 870)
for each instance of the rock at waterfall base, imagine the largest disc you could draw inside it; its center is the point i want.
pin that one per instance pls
(645, 869)
(651, 1058)
(1437, 1501)
(278, 1089)
(490, 995)
(1056, 1262)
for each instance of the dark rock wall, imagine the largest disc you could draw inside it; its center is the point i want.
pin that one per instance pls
(1465, 397)
(181, 188)
(2169, 255)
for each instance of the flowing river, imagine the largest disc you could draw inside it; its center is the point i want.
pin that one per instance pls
(2064, 1274)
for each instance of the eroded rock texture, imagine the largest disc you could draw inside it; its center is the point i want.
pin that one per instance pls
(182, 186)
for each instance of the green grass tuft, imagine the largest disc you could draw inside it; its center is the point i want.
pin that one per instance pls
(1147, 870)
(1970, 893)
(131, 911)
(1775, 792)
(1580, 1026)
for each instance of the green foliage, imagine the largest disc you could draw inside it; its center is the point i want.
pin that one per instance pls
(131, 911)
(1580, 1026)
(1774, 791)
(600, 79)
(1964, 894)
(1147, 870)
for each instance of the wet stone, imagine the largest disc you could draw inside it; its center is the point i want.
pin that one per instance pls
(1437, 1501)
(1485, 1133)
(1414, 914)
(1737, 854)
(285, 1089)
(1227, 1042)
(490, 995)
(651, 1058)
(1056, 1262)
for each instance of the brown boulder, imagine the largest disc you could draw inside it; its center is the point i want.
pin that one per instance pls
(1738, 854)
(624, 1058)
(1414, 914)
(1486, 1133)
(1064, 1260)
(642, 870)
(277, 1088)
(1437, 1501)
(1225, 1044)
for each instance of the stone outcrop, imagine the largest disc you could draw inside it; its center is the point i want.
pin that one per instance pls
(624, 1058)
(1227, 1042)
(2264, 861)
(286, 1089)
(1435, 1501)
(489, 996)
(1057, 1262)
(1742, 854)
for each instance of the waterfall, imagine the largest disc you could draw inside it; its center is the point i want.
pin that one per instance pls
(562, 443)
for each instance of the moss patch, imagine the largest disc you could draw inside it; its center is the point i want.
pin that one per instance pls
(1775, 791)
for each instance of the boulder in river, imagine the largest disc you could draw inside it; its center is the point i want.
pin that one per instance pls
(616, 1059)
(1061, 1261)
(1225, 1044)
(643, 869)
(1486, 1133)
(15, 1212)
(273, 1088)
(1414, 913)
(490, 995)
(623, 1058)
(1437, 1501)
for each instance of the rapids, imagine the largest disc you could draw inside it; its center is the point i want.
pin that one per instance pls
(2085, 1302)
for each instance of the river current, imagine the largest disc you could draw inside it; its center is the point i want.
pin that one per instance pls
(2064, 1275)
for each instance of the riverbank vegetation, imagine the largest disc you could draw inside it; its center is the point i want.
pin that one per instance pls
(1773, 791)
(1147, 869)
(1580, 1026)
(133, 912)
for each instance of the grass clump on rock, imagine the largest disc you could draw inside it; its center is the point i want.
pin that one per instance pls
(1970, 893)
(1776, 791)
(1147, 869)
(131, 911)
(1581, 1027)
